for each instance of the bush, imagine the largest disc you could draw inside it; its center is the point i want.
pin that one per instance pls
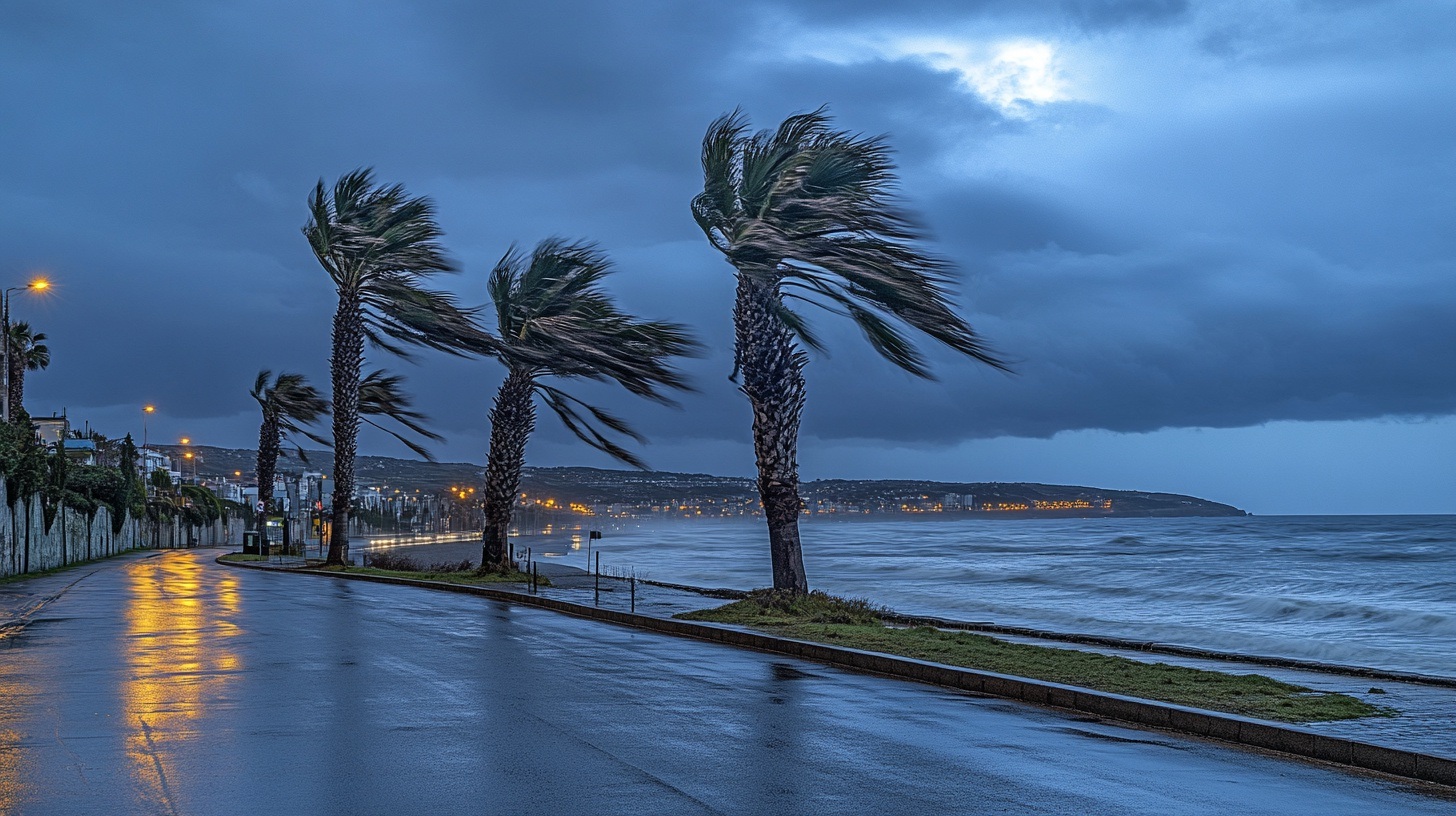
(465, 565)
(396, 562)
(387, 560)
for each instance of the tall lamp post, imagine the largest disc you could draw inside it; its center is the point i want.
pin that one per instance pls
(147, 410)
(37, 285)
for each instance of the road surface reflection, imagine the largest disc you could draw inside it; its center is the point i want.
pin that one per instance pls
(180, 618)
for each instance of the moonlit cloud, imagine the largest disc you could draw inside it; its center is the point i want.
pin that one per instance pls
(1015, 76)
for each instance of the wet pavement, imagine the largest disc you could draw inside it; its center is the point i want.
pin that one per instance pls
(1426, 718)
(169, 684)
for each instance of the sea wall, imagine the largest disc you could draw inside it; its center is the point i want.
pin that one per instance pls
(27, 545)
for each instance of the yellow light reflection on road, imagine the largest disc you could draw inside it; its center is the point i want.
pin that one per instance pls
(14, 693)
(180, 618)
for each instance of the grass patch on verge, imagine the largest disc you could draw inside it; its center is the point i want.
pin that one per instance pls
(243, 557)
(840, 622)
(767, 607)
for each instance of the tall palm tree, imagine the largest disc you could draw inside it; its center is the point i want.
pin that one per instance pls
(28, 352)
(553, 319)
(378, 246)
(807, 213)
(290, 403)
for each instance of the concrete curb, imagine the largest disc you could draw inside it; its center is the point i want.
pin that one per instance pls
(1167, 716)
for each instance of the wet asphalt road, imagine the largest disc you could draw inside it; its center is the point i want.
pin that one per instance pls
(171, 685)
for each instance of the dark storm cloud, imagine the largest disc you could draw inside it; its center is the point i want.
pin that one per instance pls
(1273, 244)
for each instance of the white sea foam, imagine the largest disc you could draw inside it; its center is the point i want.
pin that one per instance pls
(1377, 591)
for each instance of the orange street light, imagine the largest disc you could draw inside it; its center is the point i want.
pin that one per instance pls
(186, 441)
(147, 410)
(37, 285)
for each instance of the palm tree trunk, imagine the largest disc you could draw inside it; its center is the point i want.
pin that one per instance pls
(269, 440)
(17, 383)
(772, 368)
(511, 422)
(345, 365)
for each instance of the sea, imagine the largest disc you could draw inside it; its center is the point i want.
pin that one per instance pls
(1376, 591)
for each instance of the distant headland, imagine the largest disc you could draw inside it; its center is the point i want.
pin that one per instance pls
(607, 492)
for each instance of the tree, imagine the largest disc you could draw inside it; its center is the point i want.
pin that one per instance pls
(289, 403)
(378, 245)
(553, 319)
(28, 352)
(807, 214)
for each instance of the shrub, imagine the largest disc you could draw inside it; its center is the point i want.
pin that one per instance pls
(387, 560)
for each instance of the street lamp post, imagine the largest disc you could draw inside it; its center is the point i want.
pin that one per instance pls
(147, 410)
(37, 285)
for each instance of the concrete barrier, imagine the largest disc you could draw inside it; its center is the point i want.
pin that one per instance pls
(1229, 728)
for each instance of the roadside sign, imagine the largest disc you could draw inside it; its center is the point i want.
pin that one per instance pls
(259, 507)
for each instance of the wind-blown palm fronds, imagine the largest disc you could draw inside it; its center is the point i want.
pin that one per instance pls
(554, 319)
(806, 214)
(381, 396)
(289, 404)
(28, 352)
(378, 246)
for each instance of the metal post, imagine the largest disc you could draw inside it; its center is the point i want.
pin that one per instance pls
(7, 355)
(633, 583)
(533, 579)
(597, 583)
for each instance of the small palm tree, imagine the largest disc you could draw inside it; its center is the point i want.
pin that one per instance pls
(28, 352)
(378, 245)
(290, 403)
(553, 319)
(806, 213)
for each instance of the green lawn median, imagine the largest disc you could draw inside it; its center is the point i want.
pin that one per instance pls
(856, 624)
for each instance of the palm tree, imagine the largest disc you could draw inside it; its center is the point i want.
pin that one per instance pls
(378, 245)
(28, 352)
(290, 403)
(807, 213)
(553, 319)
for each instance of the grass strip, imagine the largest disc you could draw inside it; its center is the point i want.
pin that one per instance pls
(856, 624)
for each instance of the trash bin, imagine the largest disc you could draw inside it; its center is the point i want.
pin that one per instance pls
(252, 542)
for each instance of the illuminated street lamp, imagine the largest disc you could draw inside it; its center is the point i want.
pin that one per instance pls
(37, 285)
(147, 410)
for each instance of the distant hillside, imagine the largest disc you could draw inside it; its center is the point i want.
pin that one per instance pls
(638, 488)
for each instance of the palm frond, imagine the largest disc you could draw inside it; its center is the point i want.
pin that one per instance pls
(382, 395)
(805, 204)
(566, 408)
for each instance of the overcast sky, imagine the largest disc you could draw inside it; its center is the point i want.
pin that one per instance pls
(1215, 238)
